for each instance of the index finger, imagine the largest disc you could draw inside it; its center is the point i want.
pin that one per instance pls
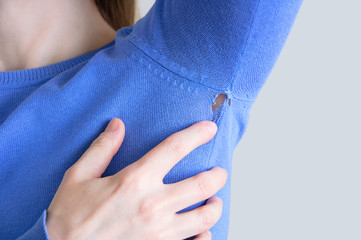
(162, 158)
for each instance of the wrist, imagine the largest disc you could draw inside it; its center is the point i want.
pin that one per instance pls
(54, 229)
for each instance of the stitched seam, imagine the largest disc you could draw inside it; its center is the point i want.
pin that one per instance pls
(217, 121)
(165, 75)
(231, 84)
(169, 69)
(227, 92)
(140, 43)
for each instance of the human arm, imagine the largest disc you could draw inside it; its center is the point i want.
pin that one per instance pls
(227, 45)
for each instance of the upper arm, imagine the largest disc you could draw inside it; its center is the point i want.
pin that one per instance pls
(230, 45)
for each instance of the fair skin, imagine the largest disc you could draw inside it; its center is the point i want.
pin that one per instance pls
(126, 205)
(41, 32)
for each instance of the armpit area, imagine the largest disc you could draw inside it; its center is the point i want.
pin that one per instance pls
(220, 100)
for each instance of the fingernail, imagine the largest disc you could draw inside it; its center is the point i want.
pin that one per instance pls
(112, 126)
(212, 127)
(213, 199)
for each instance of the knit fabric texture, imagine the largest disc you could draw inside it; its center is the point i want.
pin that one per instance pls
(159, 76)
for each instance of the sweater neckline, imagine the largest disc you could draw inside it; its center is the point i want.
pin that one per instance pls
(33, 76)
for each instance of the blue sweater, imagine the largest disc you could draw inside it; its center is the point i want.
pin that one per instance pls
(159, 76)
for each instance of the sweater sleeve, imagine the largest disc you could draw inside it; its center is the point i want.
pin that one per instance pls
(229, 45)
(37, 231)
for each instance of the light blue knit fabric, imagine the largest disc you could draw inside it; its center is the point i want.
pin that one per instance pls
(159, 76)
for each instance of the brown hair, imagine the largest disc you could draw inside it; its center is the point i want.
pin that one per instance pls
(117, 13)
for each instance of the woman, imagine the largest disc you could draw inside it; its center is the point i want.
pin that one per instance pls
(68, 69)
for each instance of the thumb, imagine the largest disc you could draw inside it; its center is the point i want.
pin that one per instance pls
(97, 157)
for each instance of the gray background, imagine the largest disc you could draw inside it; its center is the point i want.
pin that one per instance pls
(296, 171)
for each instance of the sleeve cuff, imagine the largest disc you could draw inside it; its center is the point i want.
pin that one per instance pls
(37, 231)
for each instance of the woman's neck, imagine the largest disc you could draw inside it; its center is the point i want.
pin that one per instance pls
(37, 33)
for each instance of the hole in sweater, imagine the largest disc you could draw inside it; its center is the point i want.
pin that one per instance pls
(220, 100)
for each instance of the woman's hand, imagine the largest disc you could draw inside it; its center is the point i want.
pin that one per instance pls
(135, 204)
